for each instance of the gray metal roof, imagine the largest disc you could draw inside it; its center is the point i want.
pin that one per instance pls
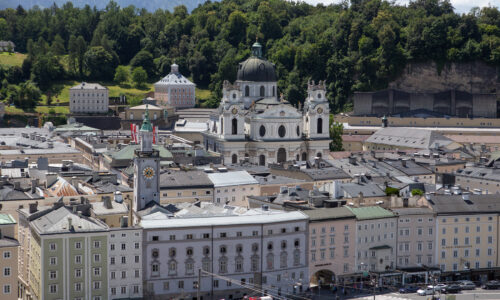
(324, 214)
(412, 211)
(57, 221)
(409, 138)
(368, 190)
(231, 178)
(480, 173)
(184, 179)
(455, 204)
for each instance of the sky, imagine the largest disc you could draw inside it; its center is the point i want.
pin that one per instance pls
(461, 6)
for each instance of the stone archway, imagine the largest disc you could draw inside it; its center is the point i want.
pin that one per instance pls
(281, 155)
(323, 277)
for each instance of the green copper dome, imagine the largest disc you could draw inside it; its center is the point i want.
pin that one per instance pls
(146, 124)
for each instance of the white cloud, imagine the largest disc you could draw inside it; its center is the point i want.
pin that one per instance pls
(460, 6)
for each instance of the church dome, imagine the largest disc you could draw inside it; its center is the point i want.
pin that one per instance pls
(255, 68)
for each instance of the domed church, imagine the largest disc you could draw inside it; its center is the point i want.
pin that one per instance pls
(253, 124)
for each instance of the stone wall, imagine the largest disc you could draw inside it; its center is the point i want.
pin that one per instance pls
(473, 77)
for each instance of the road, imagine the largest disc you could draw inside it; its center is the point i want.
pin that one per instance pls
(478, 294)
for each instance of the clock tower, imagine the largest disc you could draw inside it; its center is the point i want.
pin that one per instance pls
(146, 168)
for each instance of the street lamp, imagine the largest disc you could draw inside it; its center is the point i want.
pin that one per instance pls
(432, 278)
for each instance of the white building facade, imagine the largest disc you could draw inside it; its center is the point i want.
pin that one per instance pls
(253, 124)
(264, 250)
(87, 98)
(175, 90)
(125, 263)
(233, 188)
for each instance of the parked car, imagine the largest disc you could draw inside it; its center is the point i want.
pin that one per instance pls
(408, 289)
(451, 289)
(467, 285)
(439, 287)
(426, 291)
(492, 285)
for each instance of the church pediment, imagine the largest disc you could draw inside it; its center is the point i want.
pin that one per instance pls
(280, 111)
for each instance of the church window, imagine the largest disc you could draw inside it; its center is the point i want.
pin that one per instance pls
(234, 126)
(247, 91)
(282, 131)
(274, 91)
(262, 160)
(320, 125)
(298, 130)
(221, 126)
(262, 91)
(234, 96)
(319, 95)
(262, 130)
(304, 156)
(234, 159)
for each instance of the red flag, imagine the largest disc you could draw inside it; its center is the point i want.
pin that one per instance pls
(135, 134)
(154, 134)
(132, 131)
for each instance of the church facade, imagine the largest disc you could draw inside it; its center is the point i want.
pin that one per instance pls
(253, 124)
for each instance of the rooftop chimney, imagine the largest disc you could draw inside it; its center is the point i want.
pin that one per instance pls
(107, 202)
(352, 160)
(33, 207)
(34, 184)
(403, 162)
(70, 223)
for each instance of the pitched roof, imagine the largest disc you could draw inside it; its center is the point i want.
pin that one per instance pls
(88, 86)
(128, 152)
(323, 214)
(370, 212)
(408, 137)
(184, 179)
(57, 221)
(231, 178)
(456, 204)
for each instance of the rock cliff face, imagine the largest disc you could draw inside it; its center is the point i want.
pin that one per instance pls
(472, 77)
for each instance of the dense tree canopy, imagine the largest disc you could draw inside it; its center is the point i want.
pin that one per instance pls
(360, 45)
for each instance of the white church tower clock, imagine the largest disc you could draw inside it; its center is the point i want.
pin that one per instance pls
(146, 168)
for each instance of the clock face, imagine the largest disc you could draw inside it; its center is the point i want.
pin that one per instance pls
(320, 110)
(148, 172)
(234, 111)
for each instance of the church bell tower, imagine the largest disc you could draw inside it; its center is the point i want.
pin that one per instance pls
(146, 168)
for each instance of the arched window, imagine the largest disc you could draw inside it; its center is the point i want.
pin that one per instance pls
(262, 160)
(234, 159)
(304, 156)
(318, 154)
(298, 130)
(247, 91)
(274, 91)
(221, 125)
(234, 126)
(270, 261)
(320, 125)
(282, 131)
(262, 91)
(262, 130)
(283, 260)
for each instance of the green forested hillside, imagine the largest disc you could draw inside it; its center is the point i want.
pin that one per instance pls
(360, 45)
